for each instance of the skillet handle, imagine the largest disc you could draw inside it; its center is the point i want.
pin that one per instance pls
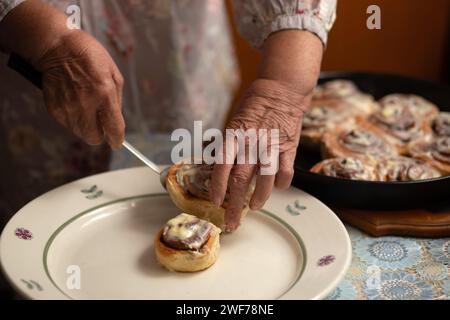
(18, 64)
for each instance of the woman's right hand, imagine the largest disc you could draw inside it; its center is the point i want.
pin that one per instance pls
(82, 85)
(83, 89)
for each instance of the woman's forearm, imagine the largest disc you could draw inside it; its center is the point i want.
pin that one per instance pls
(293, 57)
(31, 29)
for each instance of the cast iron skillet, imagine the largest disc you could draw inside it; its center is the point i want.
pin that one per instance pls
(429, 194)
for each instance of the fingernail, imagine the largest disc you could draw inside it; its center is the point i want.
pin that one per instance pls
(216, 201)
(230, 228)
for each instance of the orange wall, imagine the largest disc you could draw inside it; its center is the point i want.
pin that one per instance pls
(412, 40)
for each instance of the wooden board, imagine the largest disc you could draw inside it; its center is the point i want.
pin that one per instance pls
(415, 223)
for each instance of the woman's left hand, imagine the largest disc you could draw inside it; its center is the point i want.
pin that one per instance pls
(269, 105)
(277, 100)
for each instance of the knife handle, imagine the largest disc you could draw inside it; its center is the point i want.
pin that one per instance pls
(21, 66)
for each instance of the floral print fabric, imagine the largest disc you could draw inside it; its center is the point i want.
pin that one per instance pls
(395, 268)
(257, 19)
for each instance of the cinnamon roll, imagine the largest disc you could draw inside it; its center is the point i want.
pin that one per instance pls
(188, 186)
(419, 106)
(321, 118)
(347, 168)
(362, 104)
(187, 244)
(336, 89)
(345, 91)
(398, 125)
(440, 124)
(355, 141)
(434, 151)
(402, 169)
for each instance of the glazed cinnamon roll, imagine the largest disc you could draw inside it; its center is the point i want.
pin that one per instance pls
(354, 141)
(398, 125)
(440, 124)
(419, 106)
(362, 104)
(336, 89)
(434, 151)
(321, 118)
(188, 186)
(344, 91)
(402, 169)
(187, 244)
(347, 168)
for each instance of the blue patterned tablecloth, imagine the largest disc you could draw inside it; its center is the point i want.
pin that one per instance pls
(390, 268)
(382, 268)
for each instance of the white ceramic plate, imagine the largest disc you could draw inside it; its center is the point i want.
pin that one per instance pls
(93, 239)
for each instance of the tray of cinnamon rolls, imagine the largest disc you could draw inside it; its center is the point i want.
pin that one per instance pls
(376, 141)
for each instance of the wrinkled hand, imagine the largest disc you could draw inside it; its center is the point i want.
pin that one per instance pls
(83, 89)
(268, 104)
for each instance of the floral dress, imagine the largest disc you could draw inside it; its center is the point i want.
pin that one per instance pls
(179, 66)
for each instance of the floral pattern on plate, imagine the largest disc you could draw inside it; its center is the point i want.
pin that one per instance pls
(296, 208)
(326, 260)
(23, 234)
(92, 193)
(32, 285)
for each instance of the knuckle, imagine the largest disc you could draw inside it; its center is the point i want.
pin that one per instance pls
(120, 127)
(286, 172)
(120, 80)
(106, 88)
(239, 178)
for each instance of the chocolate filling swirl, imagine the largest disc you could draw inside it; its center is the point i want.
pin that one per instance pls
(419, 106)
(196, 180)
(399, 121)
(440, 150)
(347, 168)
(365, 142)
(403, 169)
(186, 232)
(441, 125)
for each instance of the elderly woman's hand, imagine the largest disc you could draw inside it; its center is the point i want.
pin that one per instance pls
(268, 104)
(277, 100)
(81, 83)
(83, 89)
